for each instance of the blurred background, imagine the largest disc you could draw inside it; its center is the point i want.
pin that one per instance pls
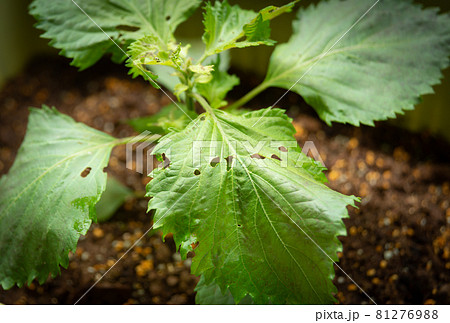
(398, 243)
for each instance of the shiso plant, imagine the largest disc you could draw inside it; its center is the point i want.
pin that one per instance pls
(256, 209)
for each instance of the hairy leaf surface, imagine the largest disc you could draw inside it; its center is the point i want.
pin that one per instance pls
(212, 295)
(147, 51)
(48, 198)
(196, 47)
(226, 25)
(389, 58)
(124, 21)
(216, 90)
(253, 202)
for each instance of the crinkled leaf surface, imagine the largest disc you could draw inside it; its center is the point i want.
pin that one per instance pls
(123, 20)
(165, 74)
(212, 295)
(379, 68)
(170, 117)
(47, 199)
(147, 51)
(253, 218)
(216, 90)
(225, 25)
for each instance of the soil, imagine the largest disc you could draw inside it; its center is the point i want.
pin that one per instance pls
(398, 244)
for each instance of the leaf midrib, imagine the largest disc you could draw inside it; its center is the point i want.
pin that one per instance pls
(217, 123)
(321, 56)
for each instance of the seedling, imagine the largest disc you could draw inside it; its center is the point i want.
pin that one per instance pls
(234, 186)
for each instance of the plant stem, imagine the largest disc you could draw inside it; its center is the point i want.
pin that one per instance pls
(201, 59)
(189, 101)
(250, 95)
(203, 103)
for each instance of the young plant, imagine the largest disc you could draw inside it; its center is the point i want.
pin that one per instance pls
(234, 183)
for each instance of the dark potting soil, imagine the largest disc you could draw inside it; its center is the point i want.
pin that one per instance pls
(398, 244)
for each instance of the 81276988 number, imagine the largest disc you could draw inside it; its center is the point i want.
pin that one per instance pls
(410, 314)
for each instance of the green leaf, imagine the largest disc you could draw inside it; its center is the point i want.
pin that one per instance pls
(179, 89)
(48, 197)
(393, 55)
(170, 117)
(226, 25)
(202, 74)
(251, 217)
(216, 90)
(212, 295)
(112, 199)
(146, 52)
(124, 21)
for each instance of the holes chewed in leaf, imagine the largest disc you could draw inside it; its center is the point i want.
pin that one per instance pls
(166, 161)
(197, 172)
(127, 28)
(282, 148)
(229, 160)
(257, 156)
(86, 172)
(214, 161)
(275, 157)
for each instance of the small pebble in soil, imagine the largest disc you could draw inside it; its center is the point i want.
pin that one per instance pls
(352, 288)
(371, 272)
(156, 300)
(98, 233)
(176, 257)
(144, 267)
(172, 281)
(352, 143)
(130, 301)
(388, 254)
(85, 256)
(383, 264)
(117, 245)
